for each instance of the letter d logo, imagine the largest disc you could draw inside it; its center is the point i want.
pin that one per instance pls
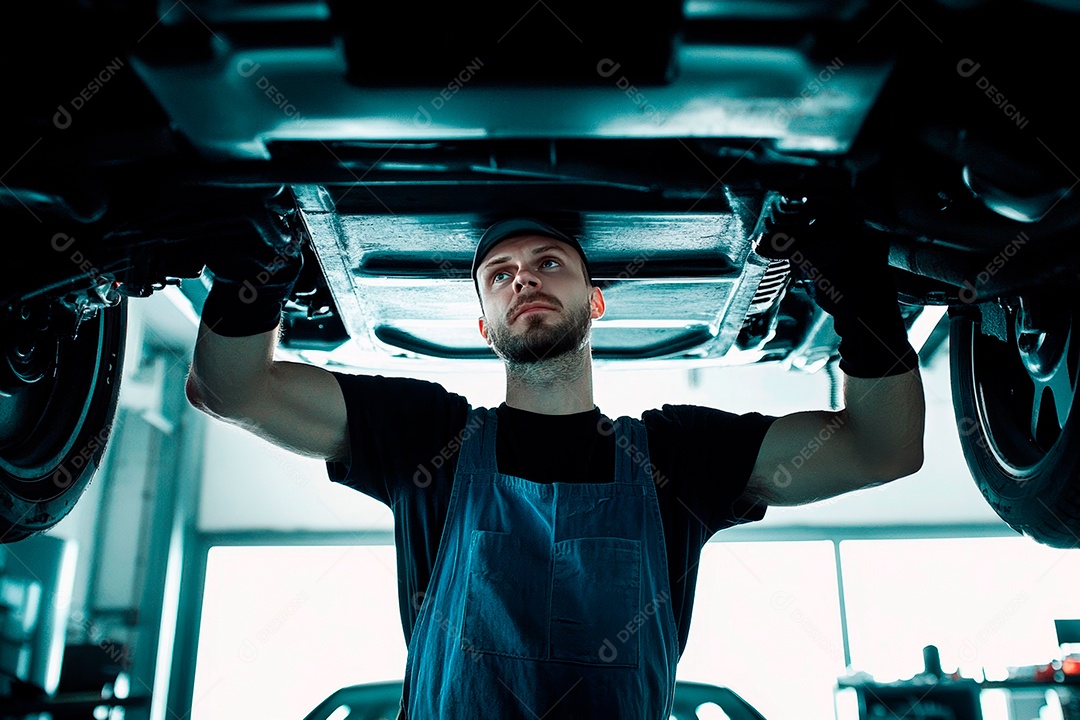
(62, 241)
(967, 67)
(782, 478)
(62, 118)
(781, 241)
(248, 293)
(422, 118)
(607, 67)
(62, 478)
(421, 478)
(247, 67)
(968, 294)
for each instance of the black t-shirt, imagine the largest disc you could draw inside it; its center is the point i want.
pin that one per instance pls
(405, 435)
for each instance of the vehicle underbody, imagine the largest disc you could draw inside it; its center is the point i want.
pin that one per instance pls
(389, 139)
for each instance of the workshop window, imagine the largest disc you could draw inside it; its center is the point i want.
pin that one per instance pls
(283, 627)
(766, 624)
(985, 603)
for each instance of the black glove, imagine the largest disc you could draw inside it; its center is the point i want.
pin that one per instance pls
(847, 271)
(254, 266)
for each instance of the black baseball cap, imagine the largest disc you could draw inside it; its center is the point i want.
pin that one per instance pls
(516, 227)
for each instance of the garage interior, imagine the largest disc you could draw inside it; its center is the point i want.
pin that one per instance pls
(207, 574)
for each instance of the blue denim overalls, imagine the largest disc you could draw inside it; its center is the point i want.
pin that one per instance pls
(546, 600)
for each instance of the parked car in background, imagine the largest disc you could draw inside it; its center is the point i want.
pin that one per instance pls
(380, 701)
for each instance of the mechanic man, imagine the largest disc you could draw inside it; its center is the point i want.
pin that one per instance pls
(547, 555)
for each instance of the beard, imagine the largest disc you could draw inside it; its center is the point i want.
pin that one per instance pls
(539, 339)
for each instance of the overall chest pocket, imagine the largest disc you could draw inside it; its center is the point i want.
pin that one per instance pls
(575, 602)
(595, 601)
(506, 597)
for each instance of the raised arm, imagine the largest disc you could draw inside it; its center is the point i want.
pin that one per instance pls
(878, 435)
(295, 406)
(234, 374)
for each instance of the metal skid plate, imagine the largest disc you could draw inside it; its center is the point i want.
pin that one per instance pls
(675, 285)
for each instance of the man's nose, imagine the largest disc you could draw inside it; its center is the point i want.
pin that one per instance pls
(526, 279)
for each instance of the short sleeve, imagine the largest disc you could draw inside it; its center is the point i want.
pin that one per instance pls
(396, 426)
(708, 454)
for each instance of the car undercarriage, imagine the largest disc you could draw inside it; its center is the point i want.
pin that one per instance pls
(141, 135)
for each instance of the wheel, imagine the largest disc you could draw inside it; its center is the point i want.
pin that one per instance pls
(1014, 407)
(59, 382)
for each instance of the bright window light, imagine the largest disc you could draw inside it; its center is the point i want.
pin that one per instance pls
(988, 604)
(283, 627)
(766, 612)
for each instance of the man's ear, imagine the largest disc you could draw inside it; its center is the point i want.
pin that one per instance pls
(483, 330)
(596, 303)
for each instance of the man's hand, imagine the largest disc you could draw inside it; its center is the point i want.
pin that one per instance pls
(847, 270)
(254, 267)
(824, 246)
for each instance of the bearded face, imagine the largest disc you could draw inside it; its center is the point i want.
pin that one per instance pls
(538, 336)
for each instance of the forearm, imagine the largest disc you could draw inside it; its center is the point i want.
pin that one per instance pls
(226, 371)
(886, 419)
(816, 454)
(293, 405)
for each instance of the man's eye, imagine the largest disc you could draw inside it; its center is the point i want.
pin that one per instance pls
(550, 260)
(499, 276)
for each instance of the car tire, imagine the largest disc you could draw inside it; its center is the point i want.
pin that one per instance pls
(58, 397)
(1014, 377)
